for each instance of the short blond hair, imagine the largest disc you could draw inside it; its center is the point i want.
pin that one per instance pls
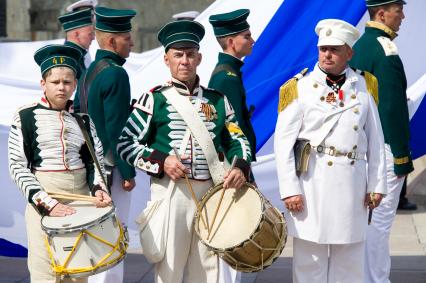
(102, 38)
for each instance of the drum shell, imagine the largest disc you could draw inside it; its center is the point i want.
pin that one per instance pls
(88, 251)
(265, 243)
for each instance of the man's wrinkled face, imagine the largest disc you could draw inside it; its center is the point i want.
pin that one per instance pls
(183, 63)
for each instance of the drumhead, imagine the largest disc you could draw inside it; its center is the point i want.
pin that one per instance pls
(237, 219)
(86, 215)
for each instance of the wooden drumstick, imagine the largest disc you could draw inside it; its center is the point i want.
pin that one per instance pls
(234, 160)
(73, 197)
(194, 198)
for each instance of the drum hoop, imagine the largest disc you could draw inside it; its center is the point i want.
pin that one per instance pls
(69, 273)
(203, 202)
(61, 231)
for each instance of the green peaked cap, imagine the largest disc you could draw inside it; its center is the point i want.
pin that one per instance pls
(230, 23)
(55, 55)
(76, 19)
(373, 3)
(113, 20)
(181, 34)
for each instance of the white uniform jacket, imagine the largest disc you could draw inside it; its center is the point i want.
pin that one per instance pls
(334, 187)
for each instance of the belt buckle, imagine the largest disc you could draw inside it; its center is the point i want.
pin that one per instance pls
(320, 148)
(333, 151)
(351, 155)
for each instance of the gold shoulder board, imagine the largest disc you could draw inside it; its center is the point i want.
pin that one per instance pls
(372, 86)
(288, 91)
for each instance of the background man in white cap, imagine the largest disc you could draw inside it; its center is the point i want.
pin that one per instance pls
(81, 5)
(326, 205)
(187, 15)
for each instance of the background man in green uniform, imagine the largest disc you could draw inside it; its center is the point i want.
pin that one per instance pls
(79, 31)
(104, 92)
(233, 34)
(376, 53)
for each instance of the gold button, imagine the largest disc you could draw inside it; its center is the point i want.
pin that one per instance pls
(356, 110)
(353, 96)
(315, 85)
(352, 162)
(355, 147)
(322, 98)
(147, 167)
(356, 128)
(330, 163)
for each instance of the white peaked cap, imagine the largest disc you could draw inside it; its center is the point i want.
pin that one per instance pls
(336, 32)
(186, 15)
(81, 3)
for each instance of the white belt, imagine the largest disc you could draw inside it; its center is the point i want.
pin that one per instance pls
(332, 151)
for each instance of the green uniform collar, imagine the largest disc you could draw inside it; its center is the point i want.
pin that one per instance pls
(384, 30)
(230, 60)
(72, 44)
(106, 54)
(183, 89)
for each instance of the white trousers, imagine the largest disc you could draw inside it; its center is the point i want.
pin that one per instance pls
(228, 274)
(186, 258)
(121, 199)
(377, 255)
(39, 263)
(326, 263)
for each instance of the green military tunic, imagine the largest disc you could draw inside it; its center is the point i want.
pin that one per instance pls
(228, 80)
(109, 106)
(155, 127)
(376, 53)
(83, 52)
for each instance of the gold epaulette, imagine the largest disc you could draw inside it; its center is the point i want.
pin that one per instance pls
(288, 91)
(372, 85)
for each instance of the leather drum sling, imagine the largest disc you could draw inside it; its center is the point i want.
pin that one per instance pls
(86, 82)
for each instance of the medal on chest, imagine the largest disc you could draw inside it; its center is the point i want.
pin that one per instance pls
(336, 85)
(209, 111)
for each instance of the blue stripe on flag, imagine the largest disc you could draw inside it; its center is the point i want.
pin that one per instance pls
(10, 249)
(418, 131)
(285, 47)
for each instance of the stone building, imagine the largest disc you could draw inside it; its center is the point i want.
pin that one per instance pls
(30, 20)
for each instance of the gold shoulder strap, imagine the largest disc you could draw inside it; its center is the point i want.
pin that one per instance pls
(372, 86)
(288, 91)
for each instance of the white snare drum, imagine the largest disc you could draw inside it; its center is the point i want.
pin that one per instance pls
(85, 243)
(248, 233)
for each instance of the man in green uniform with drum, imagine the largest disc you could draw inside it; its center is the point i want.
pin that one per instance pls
(376, 53)
(182, 115)
(233, 34)
(104, 93)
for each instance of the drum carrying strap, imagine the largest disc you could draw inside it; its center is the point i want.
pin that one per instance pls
(86, 82)
(89, 144)
(198, 129)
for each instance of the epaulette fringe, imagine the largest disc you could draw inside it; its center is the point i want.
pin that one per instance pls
(372, 86)
(288, 91)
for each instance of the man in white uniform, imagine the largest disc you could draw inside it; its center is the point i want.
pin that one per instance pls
(333, 108)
